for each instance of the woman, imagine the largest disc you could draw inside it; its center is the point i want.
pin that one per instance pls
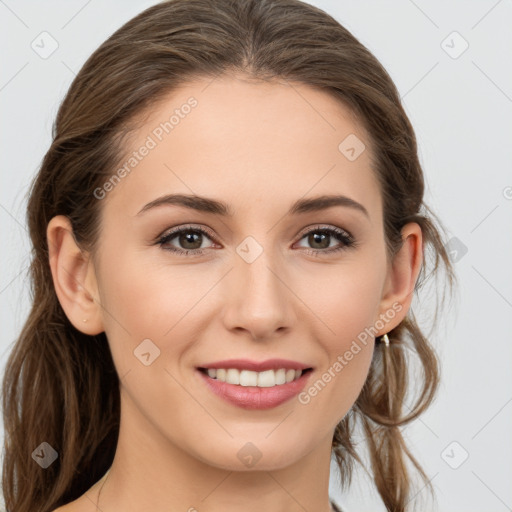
(228, 232)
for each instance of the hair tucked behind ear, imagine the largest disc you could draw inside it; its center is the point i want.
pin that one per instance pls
(60, 386)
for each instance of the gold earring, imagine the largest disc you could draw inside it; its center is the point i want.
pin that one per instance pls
(385, 339)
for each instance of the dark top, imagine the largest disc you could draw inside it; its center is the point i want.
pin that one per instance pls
(335, 507)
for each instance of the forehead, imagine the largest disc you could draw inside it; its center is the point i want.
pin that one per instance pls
(247, 142)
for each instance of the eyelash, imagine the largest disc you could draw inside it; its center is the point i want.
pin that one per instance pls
(339, 234)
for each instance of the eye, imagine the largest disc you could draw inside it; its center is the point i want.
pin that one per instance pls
(321, 237)
(189, 237)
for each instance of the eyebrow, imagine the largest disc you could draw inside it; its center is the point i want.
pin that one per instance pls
(204, 204)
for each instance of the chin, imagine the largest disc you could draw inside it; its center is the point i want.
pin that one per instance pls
(244, 455)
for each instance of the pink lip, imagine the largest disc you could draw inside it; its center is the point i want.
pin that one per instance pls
(255, 366)
(254, 397)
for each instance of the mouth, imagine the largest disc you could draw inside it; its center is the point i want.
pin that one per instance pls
(249, 378)
(253, 390)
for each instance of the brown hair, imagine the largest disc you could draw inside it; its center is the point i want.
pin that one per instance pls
(60, 385)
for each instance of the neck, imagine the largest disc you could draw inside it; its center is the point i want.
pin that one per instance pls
(150, 472)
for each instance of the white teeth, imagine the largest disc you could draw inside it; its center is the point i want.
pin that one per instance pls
(247, 378)
(290, 375)
(233, 376)
(266, 379)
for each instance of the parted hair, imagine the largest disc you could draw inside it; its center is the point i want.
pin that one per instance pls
(73, 374)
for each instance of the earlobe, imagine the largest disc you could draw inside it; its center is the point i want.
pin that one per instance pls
(402, 276)
(73, 277)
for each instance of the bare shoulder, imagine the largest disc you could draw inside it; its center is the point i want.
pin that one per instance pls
(70, 507)
(65, 508)
(84, 503)
(79, 505)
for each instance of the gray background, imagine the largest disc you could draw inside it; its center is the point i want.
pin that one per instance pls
(460, 104)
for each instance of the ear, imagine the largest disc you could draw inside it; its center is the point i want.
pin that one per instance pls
(74, 277)
(402, 275)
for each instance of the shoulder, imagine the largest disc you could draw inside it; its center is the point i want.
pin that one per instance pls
(67, 508)
(84, 503)
(79, 505)
(64, 508)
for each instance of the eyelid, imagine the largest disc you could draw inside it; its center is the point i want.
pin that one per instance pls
(344, 237)
(326, 227)
(212, 235)
(185, 227)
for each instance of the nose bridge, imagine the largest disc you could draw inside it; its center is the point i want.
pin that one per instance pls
(259, 301)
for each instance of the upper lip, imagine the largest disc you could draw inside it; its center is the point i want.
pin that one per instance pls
(257, 366)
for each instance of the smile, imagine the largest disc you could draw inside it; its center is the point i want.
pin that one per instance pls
(265, 379)
(255, 390)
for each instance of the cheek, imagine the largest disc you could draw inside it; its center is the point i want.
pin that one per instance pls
(149, 298)
(156, 301)
(348, 307)
(346, 299)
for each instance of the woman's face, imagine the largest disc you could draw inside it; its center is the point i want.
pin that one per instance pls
(263, 281)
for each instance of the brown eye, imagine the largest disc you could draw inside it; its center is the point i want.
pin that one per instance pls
(188, 239)
(320, 239)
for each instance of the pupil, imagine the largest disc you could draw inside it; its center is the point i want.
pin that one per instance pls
(323, 237)
(189, 238)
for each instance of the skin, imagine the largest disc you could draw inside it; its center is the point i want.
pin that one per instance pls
(258, 147)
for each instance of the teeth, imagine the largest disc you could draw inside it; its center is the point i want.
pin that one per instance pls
(266, 379)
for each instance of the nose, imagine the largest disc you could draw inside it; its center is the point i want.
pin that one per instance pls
(259, 299)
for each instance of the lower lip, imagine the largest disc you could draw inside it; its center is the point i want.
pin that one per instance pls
(254, 397)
